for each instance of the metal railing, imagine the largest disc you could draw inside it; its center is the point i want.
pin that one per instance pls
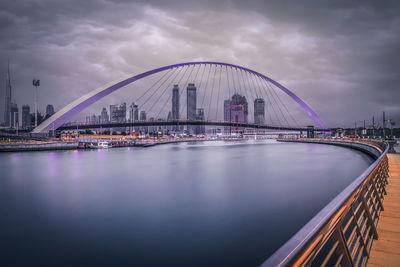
(341, 234)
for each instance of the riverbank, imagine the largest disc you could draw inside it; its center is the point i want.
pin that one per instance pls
(88, 144)
(38, 146)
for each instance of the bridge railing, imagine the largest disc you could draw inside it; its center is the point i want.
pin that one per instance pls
(341, 234)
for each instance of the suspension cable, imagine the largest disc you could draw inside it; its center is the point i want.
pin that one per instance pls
(151, 87)
(270, 102)
(170, 95)
(145, 102)
(212, 93)
(287, 110)
(219, 89)
(276, 102)
(166, 88)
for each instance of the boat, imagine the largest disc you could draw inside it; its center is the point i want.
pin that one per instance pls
(100, 145)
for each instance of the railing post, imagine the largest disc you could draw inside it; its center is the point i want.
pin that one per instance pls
(343, 249)
(376, 192)
(371, 221)
(359, 233)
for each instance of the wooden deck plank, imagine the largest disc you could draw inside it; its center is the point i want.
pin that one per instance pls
(386, 250)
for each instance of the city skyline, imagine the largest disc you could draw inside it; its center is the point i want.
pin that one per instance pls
(341, 58)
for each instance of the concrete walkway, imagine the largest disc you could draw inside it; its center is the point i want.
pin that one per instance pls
(386, 250)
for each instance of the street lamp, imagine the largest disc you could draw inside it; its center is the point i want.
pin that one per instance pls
(36, 83)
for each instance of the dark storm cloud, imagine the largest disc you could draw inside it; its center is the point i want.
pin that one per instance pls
(341, 57)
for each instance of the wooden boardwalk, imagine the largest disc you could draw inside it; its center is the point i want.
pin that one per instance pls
(386, 250)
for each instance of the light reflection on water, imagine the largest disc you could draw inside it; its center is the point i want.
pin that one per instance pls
(211, 203)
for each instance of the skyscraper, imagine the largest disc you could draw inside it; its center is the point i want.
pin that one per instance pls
(133, 112)
(259, 112)
(175, 102)
(49, 110)
(26, 117)
(191, 105)
(142, 115)
(14, 115)
(175, 106)
(238, 115)
(93, 119)
(104, 116)
(227, 114)
(143, 118)
(7, 99)
(118, 113)
(235, 110)
(238, 100)
(200, 129)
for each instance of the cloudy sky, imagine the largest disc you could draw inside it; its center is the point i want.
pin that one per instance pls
(341, 57)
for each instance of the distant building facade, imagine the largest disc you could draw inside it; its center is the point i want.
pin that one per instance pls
(239, 100)
(259, 111)
(200, 129)
(49, 110)
(191, 105)
(235, 110)
(175, 106)
(118, 113)
(104, 116)
(7, 101)
(143, 117)
(14, 115)
(26, 116)
(133, 112)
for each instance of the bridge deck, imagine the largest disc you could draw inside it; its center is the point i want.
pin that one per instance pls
(386, 250)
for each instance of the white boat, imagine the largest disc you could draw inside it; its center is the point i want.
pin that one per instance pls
(100, 145)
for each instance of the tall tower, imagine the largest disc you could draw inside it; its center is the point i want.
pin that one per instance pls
(133, 112)
(26, 116)
(175, 102)
(227, 115)
(241, 100)
(7, 98)
(259, 111)
(191, 105)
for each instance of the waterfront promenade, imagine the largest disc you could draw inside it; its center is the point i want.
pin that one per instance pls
(386, 250)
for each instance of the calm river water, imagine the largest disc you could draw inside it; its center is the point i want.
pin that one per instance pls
(197, 204)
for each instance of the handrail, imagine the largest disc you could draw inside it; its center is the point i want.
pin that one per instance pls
(343, 231)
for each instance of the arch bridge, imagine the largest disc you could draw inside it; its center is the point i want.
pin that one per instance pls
(237, 78)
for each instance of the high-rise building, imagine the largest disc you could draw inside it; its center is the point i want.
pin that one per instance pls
(200, 129)
(104, 116)
(7, 100)
(238, 100)
(142, 117)
(14, 115)
(227, 114)
(235, 110)
(49, 110)
(133, 112)
(169, 118)
(259, 111)
(175, 102)
(175, 106)
(191, 105)
(26, 117)
(118, 113)
(93, 119)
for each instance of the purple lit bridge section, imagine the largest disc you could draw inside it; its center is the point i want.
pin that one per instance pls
(60, 117)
